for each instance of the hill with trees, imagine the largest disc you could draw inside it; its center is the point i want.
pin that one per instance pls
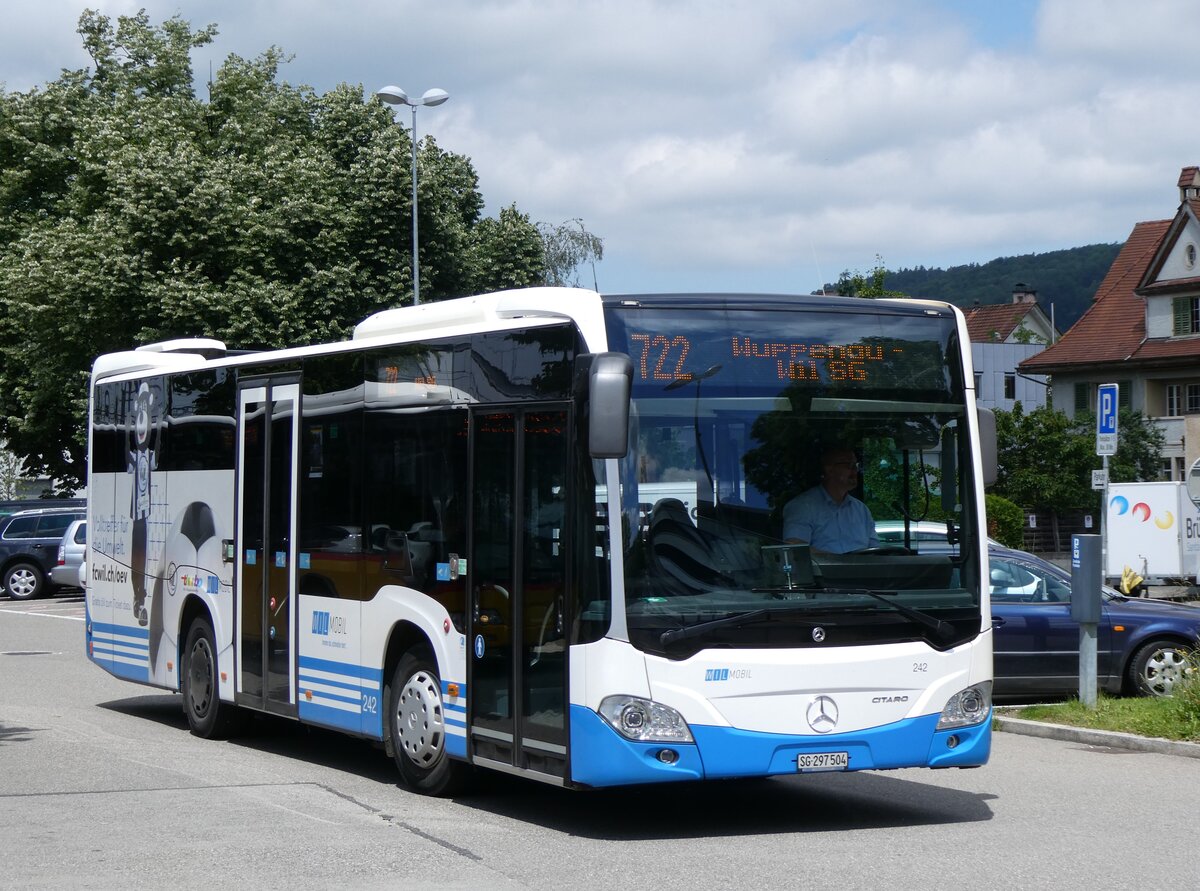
(1066, 280)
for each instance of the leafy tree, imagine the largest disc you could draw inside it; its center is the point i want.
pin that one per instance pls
(1046, 459)
(12, 474)
(869, 285)
(567, 247)
(1043, 460)
(132, 211)
(1139, 446)
(1005, 521)
(1027, 335)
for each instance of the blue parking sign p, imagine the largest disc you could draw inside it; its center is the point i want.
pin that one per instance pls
(1106, 409)
(1106, 419)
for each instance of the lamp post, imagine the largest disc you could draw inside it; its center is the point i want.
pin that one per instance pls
(395, 96)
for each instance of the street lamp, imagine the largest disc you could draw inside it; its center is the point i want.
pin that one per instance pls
(395, 96)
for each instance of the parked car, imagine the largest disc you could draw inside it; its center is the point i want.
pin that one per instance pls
(8, 508)
(29, 549)
(66, 571)
(1142, 646)
(924, 536)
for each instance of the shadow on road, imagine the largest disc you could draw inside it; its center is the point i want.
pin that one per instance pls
(792, 804)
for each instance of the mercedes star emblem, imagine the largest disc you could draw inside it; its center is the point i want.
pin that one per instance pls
(822, 714)
(818, 634)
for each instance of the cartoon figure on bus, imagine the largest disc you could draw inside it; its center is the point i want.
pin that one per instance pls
(143, 459)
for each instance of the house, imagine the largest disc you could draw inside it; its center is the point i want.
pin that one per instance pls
(1002, 336)
(1142, 332)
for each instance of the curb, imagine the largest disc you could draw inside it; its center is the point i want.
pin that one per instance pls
(1105, 738)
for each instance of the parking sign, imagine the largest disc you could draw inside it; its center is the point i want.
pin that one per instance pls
(1106, 419)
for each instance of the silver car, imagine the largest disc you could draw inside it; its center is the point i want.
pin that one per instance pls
(67, 571)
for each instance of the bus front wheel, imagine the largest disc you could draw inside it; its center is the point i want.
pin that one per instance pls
(207, 716)
(417, 724)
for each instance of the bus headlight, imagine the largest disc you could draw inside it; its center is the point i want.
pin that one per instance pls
(967, 707)
(643, 720)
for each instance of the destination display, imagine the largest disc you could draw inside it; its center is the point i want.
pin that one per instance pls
(664, 357)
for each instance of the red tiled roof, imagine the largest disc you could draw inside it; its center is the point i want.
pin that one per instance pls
(995, 322)
(1167, 348)
(1114, 326)
(1188, 176)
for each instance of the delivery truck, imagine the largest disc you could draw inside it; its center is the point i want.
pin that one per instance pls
(1153, 530)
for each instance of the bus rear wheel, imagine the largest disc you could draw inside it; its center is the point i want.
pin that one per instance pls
(417, 726)
(207, 716)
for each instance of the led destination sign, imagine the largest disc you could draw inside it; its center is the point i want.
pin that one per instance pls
(665, 358)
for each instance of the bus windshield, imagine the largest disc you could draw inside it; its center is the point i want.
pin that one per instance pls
(796, 477)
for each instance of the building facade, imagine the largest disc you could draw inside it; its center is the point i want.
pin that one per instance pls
(1142, 332)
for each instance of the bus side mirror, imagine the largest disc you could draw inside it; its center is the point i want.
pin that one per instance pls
(610, 381)
(987, 444)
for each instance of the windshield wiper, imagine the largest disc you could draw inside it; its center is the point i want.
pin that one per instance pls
(756, 615)
(944, 630)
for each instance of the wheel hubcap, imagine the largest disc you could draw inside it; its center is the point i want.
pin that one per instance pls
(200, 675)
(22, 583)
(1164, 670)
(420, 727)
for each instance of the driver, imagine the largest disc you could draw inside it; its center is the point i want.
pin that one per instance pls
(827, 517)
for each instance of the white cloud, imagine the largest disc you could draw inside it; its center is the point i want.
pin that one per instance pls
(770, 143)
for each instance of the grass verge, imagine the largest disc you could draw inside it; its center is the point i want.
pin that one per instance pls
(1175, 717)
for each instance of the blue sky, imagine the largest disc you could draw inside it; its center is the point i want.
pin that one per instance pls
(765, 146)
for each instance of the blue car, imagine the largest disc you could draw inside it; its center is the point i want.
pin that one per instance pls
(1142, 645)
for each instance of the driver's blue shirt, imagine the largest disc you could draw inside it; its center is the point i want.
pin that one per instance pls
(814, 517)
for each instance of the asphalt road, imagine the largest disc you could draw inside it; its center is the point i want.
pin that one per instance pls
(101, 786)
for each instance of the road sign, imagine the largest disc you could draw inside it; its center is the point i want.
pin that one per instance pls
(1099, 478)
(1106, 419)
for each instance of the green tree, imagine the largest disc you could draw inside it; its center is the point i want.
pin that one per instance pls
(133, 211)
(1043, 460)
(1005, 521)
(1046, 459)
(870, 285)
(1139, 446)
(568, 246)
(12, 474)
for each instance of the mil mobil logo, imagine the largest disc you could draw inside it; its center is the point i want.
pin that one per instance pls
(320, 622)
(716, 674)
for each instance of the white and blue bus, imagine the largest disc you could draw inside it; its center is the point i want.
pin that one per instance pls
(540, 531)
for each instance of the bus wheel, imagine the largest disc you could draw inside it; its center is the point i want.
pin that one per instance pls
(207, 716)
(417, 724)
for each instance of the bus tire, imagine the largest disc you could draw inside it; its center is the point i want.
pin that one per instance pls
(417, 727)
(207, 716)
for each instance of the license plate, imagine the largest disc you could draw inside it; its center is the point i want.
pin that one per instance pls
(810, 762)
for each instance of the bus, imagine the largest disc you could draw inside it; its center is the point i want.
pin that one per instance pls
(540, 531)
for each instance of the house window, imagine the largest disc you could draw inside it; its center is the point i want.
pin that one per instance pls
(1083, 397)
(1189, 256)
(978, 382)
(1166, 469)
(1186, 315)
(1010, 385)
(1193, 399)
(1175, 400)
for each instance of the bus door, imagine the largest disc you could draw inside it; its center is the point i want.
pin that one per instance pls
(268, 422)
(517, 569)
